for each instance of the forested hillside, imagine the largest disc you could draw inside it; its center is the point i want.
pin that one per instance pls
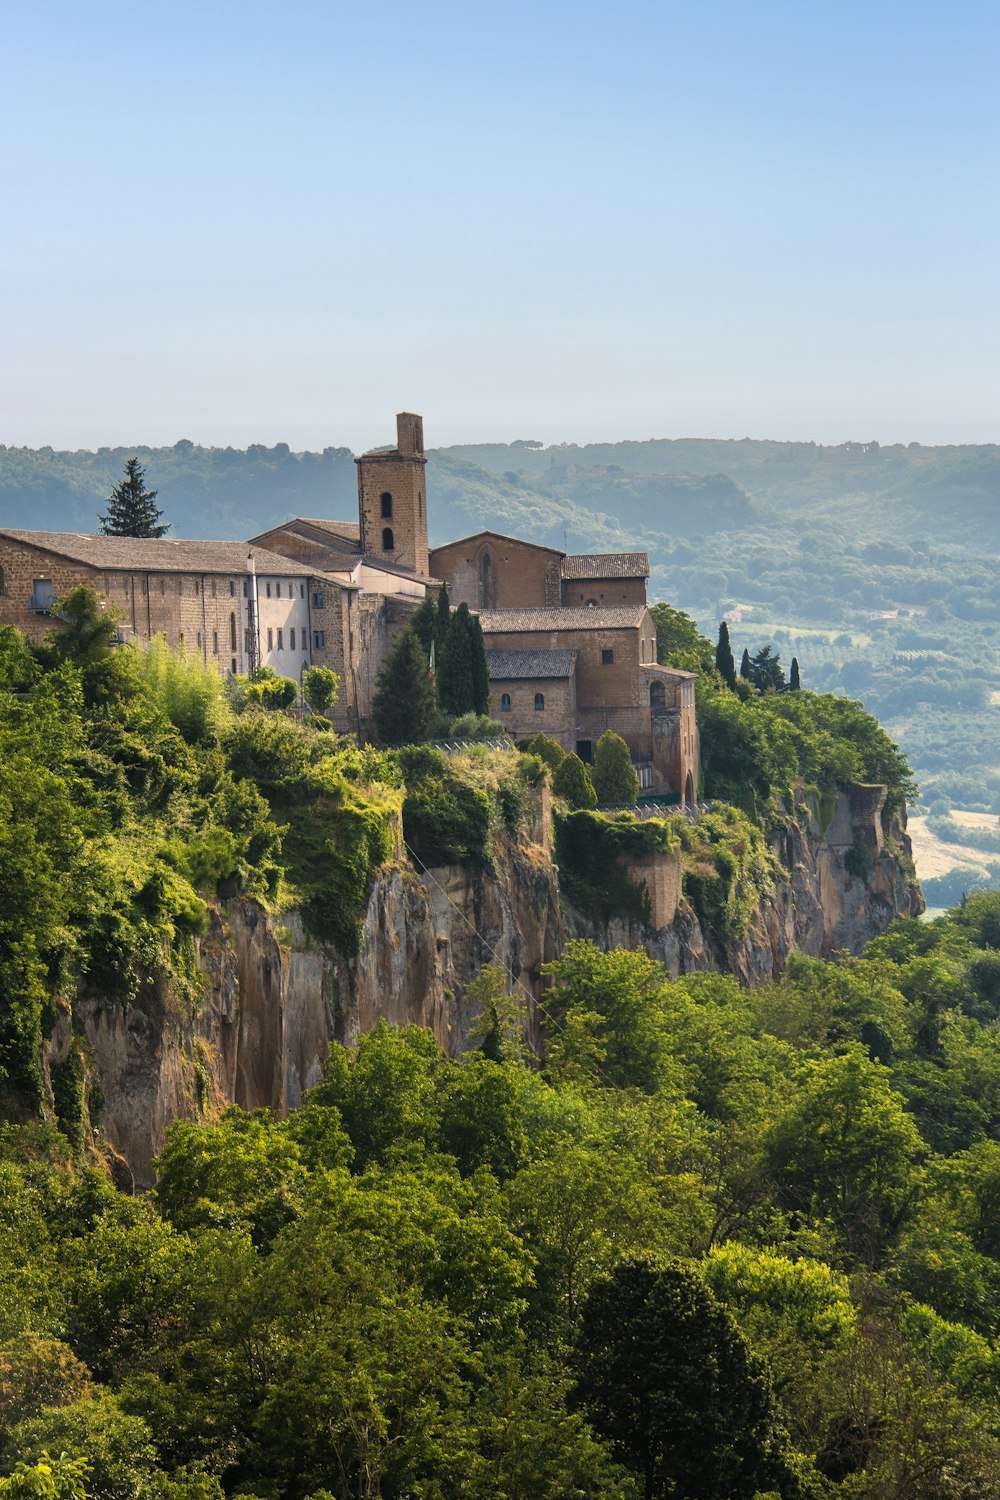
(876, 567)
(699, 1240)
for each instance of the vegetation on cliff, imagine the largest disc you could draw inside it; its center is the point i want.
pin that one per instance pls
(720, 1243)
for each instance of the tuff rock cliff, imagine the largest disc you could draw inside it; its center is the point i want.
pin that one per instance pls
(274, 998)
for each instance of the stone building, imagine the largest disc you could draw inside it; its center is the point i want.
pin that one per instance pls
(493, 571)
(595, 669)
(230, 603)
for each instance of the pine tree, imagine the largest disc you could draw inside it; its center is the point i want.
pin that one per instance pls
(572, 781)
(131, 511)
(794, 681)
(463, 678)
(615, 779)
(725, 662)
(745, 664)
(404, 702)
(766, 672)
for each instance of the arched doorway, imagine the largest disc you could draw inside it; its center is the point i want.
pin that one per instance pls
(689, 790)
(657, 695)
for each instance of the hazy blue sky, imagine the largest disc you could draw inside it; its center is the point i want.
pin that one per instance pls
(240, 222)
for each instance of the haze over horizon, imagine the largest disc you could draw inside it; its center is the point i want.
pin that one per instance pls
(239, 224)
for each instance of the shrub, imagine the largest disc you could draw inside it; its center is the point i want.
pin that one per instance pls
(572, 781)
(615, 779)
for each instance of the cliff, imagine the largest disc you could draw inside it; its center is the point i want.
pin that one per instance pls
(274, 998)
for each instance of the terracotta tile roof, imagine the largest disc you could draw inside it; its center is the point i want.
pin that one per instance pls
(160, 554)
(515, 666)
(346, 530)
(498, 536)
(508, 621)
(606, 565)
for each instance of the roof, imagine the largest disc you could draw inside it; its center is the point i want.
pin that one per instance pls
(606, 565)
(499, 536)
(349, 529)
(159, 554)
(514, 666)
(508, 621)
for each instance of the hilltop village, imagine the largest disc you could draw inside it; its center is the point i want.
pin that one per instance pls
(571, 644)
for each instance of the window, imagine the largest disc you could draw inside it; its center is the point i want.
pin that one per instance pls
(607, 658)
(539, 703)
(214, 589)
(420, 506)
(270, 638)
(387, 506)
(244, 588)
(291, 589)
(199, 640)
(657, 695)
(505, 703)
(215, 643)
(163, 585)
(232, 632)
(318, 601)
(281, 640)
(302, 591)
(232, 666)
(268, 587)
(291, 639)
(142, 585)
(3, 582)
(319, 640)
(388, 541)
(305, 643)
(196, 588)
(232, 588)
(643, 645)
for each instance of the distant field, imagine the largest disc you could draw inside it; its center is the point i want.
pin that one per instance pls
(935, 858)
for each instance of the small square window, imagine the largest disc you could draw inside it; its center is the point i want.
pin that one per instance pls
(318, 601)
(319, 639)
(607, 658)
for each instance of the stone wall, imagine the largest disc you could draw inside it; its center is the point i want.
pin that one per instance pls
(519, 575)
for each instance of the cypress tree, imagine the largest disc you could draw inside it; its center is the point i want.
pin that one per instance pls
(424, 621)
(463, 679)
(614, 777)
(404, 702)
(725, 662)
(442, 620)
(794, 681)
(131, 511)
(745, 664)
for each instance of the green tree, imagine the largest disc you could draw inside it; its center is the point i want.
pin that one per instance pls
(665, 1374)
(679, 642)
(423, 622)
(48, 1479)
(118, 1447)
(405, 700)
(614, 777)
(131, 511)
(549, 750)
(462, 675)
(320, 687)
(847, 1148)
(442, 619)
(794, 680)
(766, 672)
(572, 781)
(725, 662)
(745, 664)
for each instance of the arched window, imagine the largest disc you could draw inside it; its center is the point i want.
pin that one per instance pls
(505, 703)
(386, 506)
(387, 539)
(486, 576)
(657, 695)
(539, 703)
(232, 632)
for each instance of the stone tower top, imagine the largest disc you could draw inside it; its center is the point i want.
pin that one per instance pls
(409, 434)
(391, 498)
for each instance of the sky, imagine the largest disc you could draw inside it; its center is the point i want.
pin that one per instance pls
(568, 222)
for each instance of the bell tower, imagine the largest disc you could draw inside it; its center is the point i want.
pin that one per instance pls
(392, 498)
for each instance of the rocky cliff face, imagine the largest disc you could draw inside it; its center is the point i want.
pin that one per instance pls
(274, 999)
